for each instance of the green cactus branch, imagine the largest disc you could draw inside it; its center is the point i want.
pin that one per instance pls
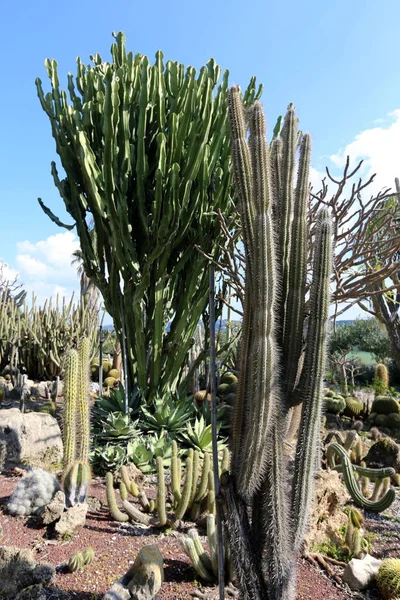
(146, 153)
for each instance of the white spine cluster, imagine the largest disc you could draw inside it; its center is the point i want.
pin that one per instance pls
(34, 491)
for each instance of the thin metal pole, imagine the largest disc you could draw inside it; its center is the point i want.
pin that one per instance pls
(124, 358)
(213, 360)
(101, 362)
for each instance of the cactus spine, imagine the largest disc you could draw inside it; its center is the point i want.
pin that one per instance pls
(76, 477)
(381, 381)
(275, 374)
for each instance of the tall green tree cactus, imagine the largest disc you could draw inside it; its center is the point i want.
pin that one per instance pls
(282, 353)
(147, 159)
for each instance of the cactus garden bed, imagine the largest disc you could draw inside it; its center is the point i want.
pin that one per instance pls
(116, 545)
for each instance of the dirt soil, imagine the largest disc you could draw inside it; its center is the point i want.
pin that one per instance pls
(117, 544)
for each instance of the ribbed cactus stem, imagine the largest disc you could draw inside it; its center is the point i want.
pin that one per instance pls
(205, 559)
(186, 491)
(161, 493)
(225, 461)
(311, 382)
(83, 420)
(211, 494)
(198, 565)
(115, 512)
(203, 486)
(352, 486)
(256, 399)
(70, 402)
(175, 473)
(195, 477)
(212, 542)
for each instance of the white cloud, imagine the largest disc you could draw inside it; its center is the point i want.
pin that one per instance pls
(379, 148)
(44, 268)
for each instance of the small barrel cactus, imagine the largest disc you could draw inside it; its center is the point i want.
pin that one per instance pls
(334, 403)
(383, 405)
(353, 408)
(109, 382)
(388, 579)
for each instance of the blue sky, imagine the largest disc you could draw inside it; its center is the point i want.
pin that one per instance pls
(338, 62)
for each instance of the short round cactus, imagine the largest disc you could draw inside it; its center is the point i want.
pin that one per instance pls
(229, 378)
(223, 389)
(33, 492)
(114, 373)
(384, 405)
(388, 579)
(334, 404)
(353, 408)
(109, 382)
(382, 421)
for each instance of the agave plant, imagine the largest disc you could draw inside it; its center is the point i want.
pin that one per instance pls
(108, 458)
(117, 427)
(169, 413)
(115, 402)
(223, 415)
(199, 436)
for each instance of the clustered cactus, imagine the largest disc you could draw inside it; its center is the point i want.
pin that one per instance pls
(333, 403)
(354, 538)
(276, 374)
(385, 412)
(76, 424)
(206, 565)
(79, 560)
(189, 499)
(32, 493)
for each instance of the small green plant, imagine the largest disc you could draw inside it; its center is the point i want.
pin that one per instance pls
(199, 436)
(169, 413)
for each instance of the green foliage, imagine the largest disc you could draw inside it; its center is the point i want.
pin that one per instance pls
(168, 413)
(115, 402)
(332, 549)
(117, 427)
(146, 153)
(362, 334)
(199, 436)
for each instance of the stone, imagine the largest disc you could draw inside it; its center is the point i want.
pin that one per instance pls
(384, 453)
(144, 578)
(53, 510)
(327, 516)
(117, 592)
(19, 571)
(94, 504)
(134, 474)
(32, 438)
(360, 573)
(71, 521)
(33, 592)
(146, 574)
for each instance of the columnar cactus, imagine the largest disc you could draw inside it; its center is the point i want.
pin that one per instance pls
(276, 373)
(76, 429)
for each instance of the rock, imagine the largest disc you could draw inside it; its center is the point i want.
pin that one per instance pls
(53, 511)
(326, 515)
(33, 592)
(143, 580)
(94, 504)
(71, 520)
(32, 438)
(19, 571)
(360, 573)
(117, 592)
(133, 472)
(384, 453)
(146, 574)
